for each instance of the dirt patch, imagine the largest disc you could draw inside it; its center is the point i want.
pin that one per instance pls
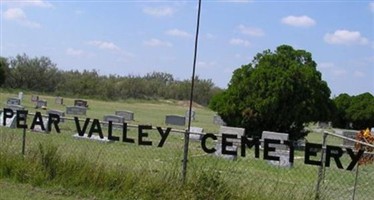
(187, 104)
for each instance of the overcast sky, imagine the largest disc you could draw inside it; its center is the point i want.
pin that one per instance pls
(136, 37)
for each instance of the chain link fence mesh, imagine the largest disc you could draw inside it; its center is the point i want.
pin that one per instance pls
(342, 183)
(249, 174)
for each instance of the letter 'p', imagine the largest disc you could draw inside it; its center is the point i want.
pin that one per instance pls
(8, 114)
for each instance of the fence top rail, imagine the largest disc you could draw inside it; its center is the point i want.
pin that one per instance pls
(347, 138)
(114, 123)
(184, 131)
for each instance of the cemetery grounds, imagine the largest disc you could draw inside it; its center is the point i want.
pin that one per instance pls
(243, 178)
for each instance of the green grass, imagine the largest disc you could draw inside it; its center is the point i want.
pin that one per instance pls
(15, 190)
(94, 170)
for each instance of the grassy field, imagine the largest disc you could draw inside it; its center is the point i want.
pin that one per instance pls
(145, 167)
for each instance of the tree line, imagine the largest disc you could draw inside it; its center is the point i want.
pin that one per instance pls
(355, 111)
(279, 91)
(40, 74)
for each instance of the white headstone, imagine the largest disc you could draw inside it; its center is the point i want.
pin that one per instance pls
(283, 158)
(196, 133)
(10, 123)
(38, 128)
(229, 148)
(192, 114)
(232, 130)
(275, 136)
(238, 132)
(20, 95)
(93, 138)
(281, 150)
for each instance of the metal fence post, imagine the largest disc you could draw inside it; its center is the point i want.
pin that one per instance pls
(186, 135)
(23, 141)
(185, 155)
(355, 186)
(321, 173)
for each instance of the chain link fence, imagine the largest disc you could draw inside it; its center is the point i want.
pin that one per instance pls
(338, 183)
(157, 151)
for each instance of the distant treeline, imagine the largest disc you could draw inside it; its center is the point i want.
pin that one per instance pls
(40, 74)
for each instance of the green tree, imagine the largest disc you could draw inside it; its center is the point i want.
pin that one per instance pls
(3, 70)
(40, 74)
(355, 112)
(341, 104)
(83, 84)
(37, 74)
(361, 111)
(156, 83)
(278, 91)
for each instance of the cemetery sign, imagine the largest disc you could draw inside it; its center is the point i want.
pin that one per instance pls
(226, 141)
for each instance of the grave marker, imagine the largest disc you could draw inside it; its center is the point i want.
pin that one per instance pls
(232, 130)
(218, 120)
(15, 107)
(300, 144)
(275, 136)
(10, 123)
(80, 103)
(196, 133)
(38, 128)
(238, 132)
(34, 98)
(41, 104)
(13, 101)
(93, 138)
(349, 134)
(281, 150)
(192, 114)
(59, 113)
(20, 96)
(76, 110)
(127, 115)
(323, 125)
(229, 148)
(115, 119)
(59, 100)
(175, 120)
(283, 158)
